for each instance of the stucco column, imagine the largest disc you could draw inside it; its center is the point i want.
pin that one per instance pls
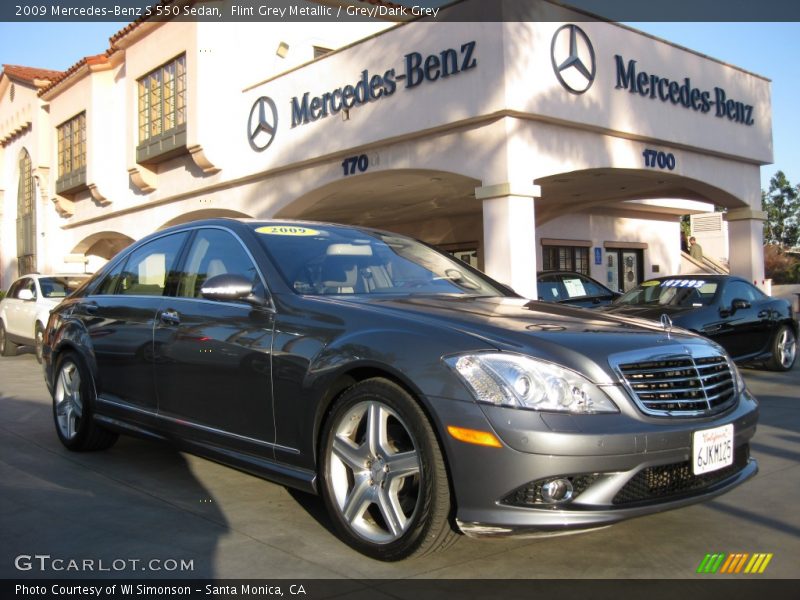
(509, 227)
(746, 243)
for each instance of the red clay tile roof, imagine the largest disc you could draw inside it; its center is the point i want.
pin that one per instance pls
(134, 24)
(96, 59)
(58, 76)
(30, 74)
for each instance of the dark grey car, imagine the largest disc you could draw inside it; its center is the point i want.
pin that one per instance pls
(416, 395)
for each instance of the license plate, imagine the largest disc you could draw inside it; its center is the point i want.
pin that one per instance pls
(712, 449)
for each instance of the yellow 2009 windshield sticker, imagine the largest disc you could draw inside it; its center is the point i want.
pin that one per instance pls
(650, 283)
(286, 230)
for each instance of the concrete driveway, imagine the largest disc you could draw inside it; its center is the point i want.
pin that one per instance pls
(143, 509)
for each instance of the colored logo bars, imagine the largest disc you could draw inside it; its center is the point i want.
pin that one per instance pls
(742, 562)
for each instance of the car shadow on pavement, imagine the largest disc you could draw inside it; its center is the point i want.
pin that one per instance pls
(135, 510)
(314, 506)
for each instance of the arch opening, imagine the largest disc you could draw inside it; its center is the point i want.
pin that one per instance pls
(388, 198)
(633, 189)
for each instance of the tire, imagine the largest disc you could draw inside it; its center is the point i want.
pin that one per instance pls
(38, 337)
(783, 348)
(73, 406)
(387, 493)
(7, 347)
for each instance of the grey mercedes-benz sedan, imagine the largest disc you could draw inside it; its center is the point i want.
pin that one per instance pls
(420, 398)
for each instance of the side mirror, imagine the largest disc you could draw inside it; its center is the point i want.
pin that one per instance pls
(26, 295)
(739, 304)
(229, 287)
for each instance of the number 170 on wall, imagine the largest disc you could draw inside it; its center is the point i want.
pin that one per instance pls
(355, 164)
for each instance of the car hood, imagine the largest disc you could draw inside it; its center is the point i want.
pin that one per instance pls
(558, 333)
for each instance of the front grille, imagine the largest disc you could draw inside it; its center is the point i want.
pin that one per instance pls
(682, 385)
(676, 480)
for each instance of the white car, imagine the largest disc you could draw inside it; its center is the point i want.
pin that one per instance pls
(26, 307)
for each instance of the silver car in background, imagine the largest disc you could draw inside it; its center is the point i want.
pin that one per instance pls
(27, 305)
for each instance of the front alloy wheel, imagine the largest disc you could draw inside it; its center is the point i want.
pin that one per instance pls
(374, 472)
(384, 479)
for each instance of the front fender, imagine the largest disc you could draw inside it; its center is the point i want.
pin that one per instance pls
(66, 334)
(410, 358)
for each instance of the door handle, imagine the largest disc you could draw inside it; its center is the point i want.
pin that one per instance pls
(169, 317)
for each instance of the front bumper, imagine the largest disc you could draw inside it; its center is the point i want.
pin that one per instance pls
(625, 465)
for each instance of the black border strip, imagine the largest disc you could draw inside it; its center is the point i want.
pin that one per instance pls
(312, 11)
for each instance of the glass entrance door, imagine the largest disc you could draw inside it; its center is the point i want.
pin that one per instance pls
(631, 274)
(625, 268)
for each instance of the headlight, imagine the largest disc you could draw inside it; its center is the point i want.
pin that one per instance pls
(737, 375)
(517, 381)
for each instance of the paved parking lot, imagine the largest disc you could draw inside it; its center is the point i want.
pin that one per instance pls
(143, 501)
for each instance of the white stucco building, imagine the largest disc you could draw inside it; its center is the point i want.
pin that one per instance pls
(549, 142)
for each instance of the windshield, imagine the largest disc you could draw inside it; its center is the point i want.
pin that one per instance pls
(60, 286)
(671, 292)
(330, 260)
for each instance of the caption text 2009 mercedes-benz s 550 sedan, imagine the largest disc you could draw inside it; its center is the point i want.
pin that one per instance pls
(417, 396)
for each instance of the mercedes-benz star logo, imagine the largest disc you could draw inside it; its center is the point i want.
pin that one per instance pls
(666, 323)
(572, 56)
(262, 123)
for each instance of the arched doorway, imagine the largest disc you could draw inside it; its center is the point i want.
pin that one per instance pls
(105, 244)
(96, 249)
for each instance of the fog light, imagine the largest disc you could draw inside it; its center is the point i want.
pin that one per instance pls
(557, 490)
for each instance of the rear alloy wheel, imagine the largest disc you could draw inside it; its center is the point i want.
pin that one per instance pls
(384, 479)
(7, 347)
(38, 337)
(784, 349)
(73, 405)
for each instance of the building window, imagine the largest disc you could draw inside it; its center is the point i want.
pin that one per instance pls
(162, 112)
(71, 154)
(565, 258)
(26, 217)
(466, 252)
